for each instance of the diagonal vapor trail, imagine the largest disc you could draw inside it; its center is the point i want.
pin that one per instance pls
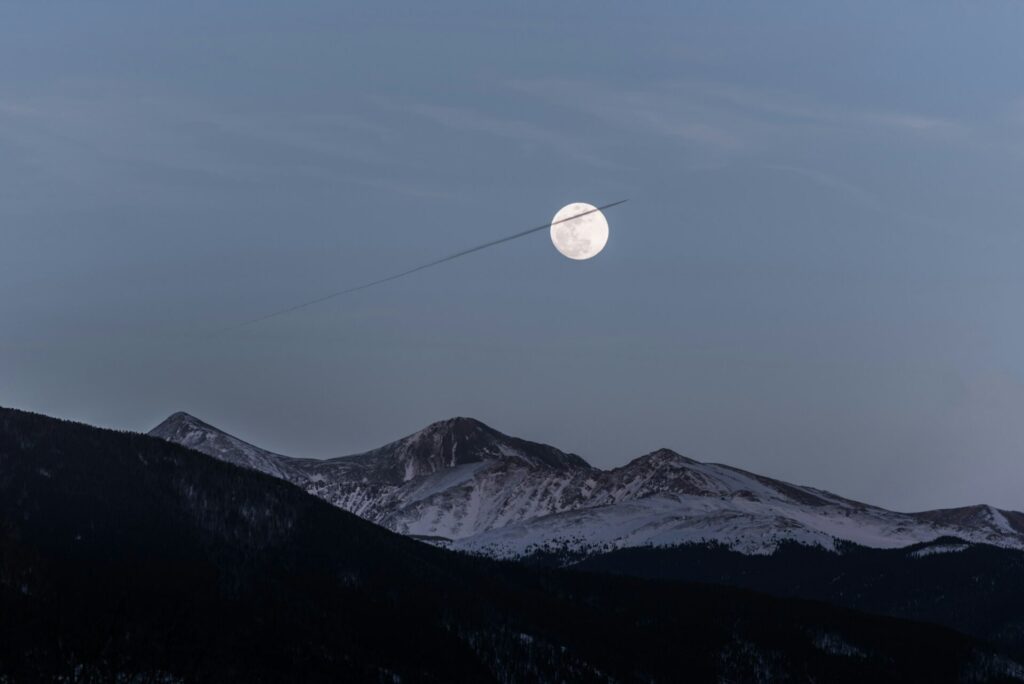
(422, 267)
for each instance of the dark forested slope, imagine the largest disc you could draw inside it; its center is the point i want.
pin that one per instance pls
(974, 588)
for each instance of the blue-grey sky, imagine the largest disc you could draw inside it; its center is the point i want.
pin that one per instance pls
(818, 277)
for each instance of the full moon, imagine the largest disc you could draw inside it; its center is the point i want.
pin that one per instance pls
(579, 238)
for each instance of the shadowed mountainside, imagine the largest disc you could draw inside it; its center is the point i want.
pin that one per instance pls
(974, 588)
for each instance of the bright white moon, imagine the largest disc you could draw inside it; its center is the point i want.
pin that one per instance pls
(579, 238)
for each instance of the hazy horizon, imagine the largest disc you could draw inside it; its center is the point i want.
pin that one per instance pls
(817, 276)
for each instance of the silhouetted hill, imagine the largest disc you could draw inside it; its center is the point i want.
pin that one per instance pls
(127, 557)
(975, 588)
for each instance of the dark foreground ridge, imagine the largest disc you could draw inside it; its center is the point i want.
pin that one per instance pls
(127, 557)
(973, 588)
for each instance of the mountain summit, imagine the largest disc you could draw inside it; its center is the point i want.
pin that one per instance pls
(489, 493)
(187, 430)
(458, 442)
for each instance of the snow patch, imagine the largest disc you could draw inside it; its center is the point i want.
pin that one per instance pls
(937, 549)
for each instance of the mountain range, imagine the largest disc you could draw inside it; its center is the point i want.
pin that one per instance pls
(125, 558)
(464, 484)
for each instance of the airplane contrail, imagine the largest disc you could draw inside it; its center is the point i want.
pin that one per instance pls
(421, 267)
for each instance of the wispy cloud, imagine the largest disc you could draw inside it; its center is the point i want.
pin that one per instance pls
(729, 118)
(129, 137)
(654, 111)
(464, 120)
(832, 182)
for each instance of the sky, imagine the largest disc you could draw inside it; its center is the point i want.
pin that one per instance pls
(818, 275)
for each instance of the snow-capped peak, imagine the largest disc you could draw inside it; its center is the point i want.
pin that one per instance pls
(456, 442)
(187, 430)
(180, 419)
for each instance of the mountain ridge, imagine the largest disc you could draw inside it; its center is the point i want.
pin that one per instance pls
(502, 496)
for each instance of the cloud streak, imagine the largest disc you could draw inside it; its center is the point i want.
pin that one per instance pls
(727, 118)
